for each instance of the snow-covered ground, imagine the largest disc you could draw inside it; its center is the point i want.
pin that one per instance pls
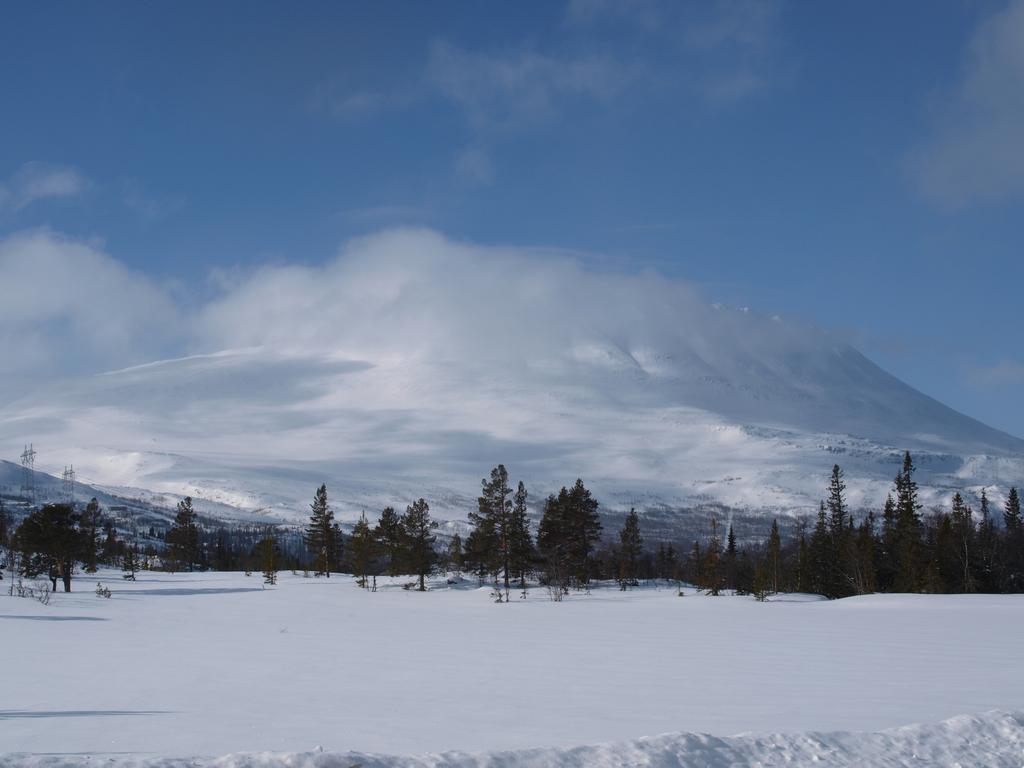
(211, 664)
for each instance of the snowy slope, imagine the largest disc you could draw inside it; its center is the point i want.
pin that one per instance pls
(212, 664)
(990, 740)
(411, 365)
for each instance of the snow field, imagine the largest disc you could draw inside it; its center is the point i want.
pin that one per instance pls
(211, 664)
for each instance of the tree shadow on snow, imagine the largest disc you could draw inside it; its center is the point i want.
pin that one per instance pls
(52, 618)
(24, 714)
(179, 591)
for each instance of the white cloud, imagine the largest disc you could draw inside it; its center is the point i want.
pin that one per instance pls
(976, 150)
(39, 181)
(520, 87)
(66, 306)
(409, 363)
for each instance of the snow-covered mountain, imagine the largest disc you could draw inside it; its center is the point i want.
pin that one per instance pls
(411, 365)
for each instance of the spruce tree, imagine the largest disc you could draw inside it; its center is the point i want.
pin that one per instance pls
(1011, 512)
(630, 547)
(732, 575)
(50, 543)
(322, 536)
(819, 570)
(455, 553)
(183, 537)
(865, 555)
(988, 548)
(91, 521)
(1013, 556)
(391, 538)
(840, 531)
(130, 562)
(493, 522)
(363, 549)
(568, 532)
(908, 530)
(712, 566)
(773, 558)
(520, 539)
(418, 528)
(268, 554)
(964, 543)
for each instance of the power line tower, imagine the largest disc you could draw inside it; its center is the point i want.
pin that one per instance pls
(69, 485)
(28, 474)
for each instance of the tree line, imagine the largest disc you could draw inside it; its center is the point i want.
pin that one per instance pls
(899, 548)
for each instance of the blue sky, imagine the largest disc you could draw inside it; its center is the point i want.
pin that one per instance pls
(859, 166)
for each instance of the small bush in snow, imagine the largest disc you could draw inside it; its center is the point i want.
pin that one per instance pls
(102, 591)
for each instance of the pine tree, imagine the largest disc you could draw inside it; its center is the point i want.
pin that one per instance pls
(773, 558)
(183, 537)
(268, 554)
(520, 539)
(963, 542)
(130, 562)
(908, 530)
(90, 526)
(819, 556)
(839, 579)
(322, 536)
(391, 538)
(493, 520)
(418, 526)
(455, 553)
(712, 561)
(50, 542)
(1013, 557)
(363, 546)
(1011, 511)
(631, 545)
(988, 548)
(865, 558)
(568, 532)
(732, 576)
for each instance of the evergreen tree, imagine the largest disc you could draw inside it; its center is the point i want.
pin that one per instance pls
(183, 537)
(111, 549)
(819, 570)
(268, 555)
(49, 541)
(963, 542)
(887, 555)
(773, 559)
(988, 548)
(1013, 547)
(130, 562)
(696, 568)
(455, 553)
(908, 530)
(839, 581)
(418, 526)
(712, 566)
(731, 564)
(520, 539)
(493, 521)
(631, 546)
(363, 548)
(568, 532)
(865, 556)
(91, 521)
(391, 537)
(322, 536)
